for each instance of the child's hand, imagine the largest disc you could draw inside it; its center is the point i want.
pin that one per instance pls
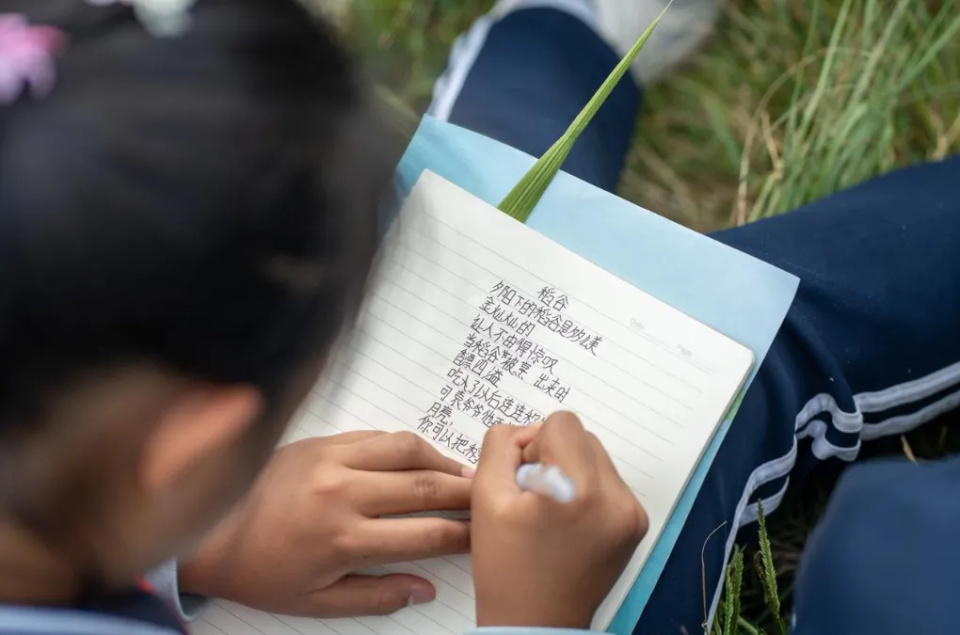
(537, 562)
(313, 518)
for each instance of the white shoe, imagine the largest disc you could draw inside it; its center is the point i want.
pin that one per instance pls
(621, 22)
(684, 26)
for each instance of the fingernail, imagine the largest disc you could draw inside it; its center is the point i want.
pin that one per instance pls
(420, 596)
(467, 472)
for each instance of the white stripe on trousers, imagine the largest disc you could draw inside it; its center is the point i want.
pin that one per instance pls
(849, 422)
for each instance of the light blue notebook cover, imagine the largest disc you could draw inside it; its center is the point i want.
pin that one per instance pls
(734, 293)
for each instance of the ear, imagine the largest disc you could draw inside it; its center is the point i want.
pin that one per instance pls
(202, 420)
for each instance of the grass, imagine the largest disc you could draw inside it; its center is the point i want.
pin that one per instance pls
(790, 101)
(741, 131)
(795, 99)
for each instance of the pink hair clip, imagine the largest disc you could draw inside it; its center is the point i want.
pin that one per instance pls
(26, 57)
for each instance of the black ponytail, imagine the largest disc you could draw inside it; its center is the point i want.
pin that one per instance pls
(206, 202)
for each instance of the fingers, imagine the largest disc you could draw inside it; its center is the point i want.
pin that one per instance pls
(399, 451)
(562, 441)
(355, 436)
(610, 478)
(387, 540)
(606, 468)
(610, 481)
(385, 493)
(359, 595)
(502, 454)
(318, 444)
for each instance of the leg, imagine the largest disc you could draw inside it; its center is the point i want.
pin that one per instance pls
(523, 72)
(868, 349)
(524, 78)
(884, 559)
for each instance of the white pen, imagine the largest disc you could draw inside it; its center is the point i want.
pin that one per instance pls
(546, 480)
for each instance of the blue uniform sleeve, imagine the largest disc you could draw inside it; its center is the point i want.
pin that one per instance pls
(164, 581)
(885, 559)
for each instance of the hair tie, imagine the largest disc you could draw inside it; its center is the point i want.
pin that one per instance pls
(26, 57)
(161, 18)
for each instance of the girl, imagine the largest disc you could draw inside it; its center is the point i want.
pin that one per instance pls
(188, 210)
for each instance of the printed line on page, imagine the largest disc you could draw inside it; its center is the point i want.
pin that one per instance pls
(513, 264)
(582, 392)
(579, 367)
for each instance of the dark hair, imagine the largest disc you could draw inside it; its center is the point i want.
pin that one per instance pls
(206, 202)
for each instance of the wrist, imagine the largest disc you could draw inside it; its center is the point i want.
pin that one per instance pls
(201, 573)
(192, 577)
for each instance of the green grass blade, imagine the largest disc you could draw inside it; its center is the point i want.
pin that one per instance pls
(734, 586)
(767, 572)
(525, 195)
(932, 50)
(826, 73)
(749, 628)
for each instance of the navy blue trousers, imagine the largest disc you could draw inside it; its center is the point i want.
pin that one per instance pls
(870, 348)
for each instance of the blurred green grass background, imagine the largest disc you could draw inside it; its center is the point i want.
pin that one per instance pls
(789, 101)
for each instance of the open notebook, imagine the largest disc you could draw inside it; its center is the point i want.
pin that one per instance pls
(473, 319)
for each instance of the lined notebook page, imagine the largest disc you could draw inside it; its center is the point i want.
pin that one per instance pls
(474, 319)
